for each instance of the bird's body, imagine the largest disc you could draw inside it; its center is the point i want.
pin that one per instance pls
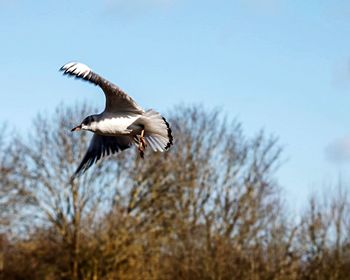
(113, 125)
(121, 124)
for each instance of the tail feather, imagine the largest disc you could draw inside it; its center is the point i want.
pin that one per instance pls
(157, 143)
(158, 133)
(170, 136)
(153, 144)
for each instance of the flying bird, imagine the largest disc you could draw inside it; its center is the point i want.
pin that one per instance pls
(122, 123)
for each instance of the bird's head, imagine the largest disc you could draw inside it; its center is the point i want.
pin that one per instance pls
(86, 124)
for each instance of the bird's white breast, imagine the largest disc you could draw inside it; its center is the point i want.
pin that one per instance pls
(115, 126)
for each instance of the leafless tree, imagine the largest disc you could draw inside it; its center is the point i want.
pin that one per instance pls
(49, 158)
(214, 185)
(324, 236)
(10, 188)
(210, 208)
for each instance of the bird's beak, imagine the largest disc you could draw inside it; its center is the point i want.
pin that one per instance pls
(77, 128)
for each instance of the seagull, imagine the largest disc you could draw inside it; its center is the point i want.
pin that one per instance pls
(122, 123)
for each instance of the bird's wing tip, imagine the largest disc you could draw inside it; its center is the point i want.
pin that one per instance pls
(68, 65)
(75, 68)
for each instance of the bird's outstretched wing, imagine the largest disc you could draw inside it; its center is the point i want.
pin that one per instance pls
(101, 146)
(116, 99)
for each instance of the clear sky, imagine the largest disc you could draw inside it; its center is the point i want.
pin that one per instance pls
(281, 65)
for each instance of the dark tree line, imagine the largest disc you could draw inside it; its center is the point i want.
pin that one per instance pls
(210, 208)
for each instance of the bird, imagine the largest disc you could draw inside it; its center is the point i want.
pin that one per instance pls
(122, 123)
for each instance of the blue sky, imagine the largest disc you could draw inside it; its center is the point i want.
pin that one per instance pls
(279, 65)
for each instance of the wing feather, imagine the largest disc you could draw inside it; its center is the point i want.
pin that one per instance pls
(99, 147)
(116, 99)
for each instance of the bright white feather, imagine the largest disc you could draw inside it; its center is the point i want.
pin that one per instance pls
(76, 68)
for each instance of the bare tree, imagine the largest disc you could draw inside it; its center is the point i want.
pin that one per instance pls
(210, 208)
(324, 237)
(10, 189)
(215, 189)
(49, 158)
